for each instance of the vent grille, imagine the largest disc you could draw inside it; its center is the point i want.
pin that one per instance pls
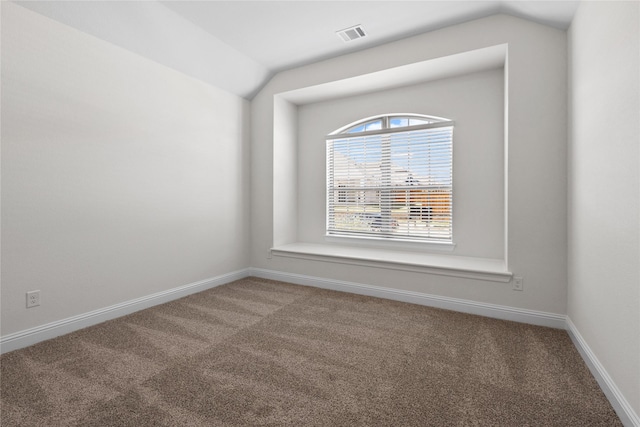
(351, 33)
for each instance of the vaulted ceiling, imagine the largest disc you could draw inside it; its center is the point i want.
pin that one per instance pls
(239, 45)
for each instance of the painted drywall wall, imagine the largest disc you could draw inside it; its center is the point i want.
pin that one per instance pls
(604, 188)
(478, 153)
(120, 177)
(285, 179)
(536, 104)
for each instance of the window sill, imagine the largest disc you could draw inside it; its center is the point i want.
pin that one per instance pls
(489, 269)
(391, 244)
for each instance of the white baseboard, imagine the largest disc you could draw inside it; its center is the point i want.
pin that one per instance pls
(61, 327)
(51, 330)
(466, 306)
(624, 410)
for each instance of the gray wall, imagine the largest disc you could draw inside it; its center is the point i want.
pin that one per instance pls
(604, 188)
(120, 177)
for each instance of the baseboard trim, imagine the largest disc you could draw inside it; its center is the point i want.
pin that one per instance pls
(466, 306)
(35, 335)
(624, 410)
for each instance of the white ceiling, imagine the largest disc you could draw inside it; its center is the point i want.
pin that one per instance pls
(285, 34)
(239, 45)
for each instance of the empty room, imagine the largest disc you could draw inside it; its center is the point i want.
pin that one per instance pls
(320, 213)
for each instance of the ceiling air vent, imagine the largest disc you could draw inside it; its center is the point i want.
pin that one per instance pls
(351, 33)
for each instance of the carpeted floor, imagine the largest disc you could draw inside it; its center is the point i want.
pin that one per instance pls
(260, 352)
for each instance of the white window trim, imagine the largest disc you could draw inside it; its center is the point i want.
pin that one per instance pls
(387, 130)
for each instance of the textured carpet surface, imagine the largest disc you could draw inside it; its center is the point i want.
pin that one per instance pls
(260, 352)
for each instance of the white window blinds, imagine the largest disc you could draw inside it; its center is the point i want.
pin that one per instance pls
(395, 182)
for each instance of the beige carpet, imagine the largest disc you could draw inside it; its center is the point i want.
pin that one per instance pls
(260, 352)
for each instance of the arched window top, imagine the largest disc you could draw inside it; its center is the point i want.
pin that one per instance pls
(390, 121)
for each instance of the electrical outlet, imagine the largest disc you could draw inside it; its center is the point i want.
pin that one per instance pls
(33, 299)
(518, 284)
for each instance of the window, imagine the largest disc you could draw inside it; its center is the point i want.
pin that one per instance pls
(390, 177)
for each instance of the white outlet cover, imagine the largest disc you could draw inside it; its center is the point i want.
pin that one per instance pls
(518, 284)
(33, 299)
